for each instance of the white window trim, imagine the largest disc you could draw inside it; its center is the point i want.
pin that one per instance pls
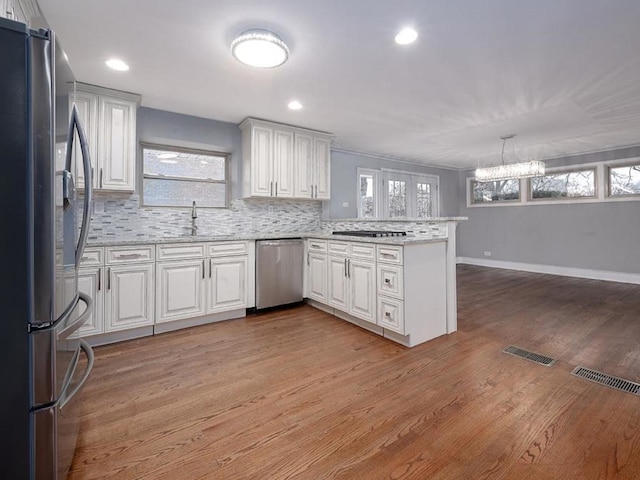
(602, 181)
(176, 148)
(377, 190)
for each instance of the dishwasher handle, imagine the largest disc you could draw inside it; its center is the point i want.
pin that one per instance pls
(278, 243)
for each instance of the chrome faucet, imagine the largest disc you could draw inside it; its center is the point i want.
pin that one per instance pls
(194, 216)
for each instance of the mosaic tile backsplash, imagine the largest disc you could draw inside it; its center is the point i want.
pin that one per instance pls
(123, 219)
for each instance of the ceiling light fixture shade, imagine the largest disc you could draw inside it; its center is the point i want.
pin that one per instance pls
(534, 168)
(260, 48)
(406, 36)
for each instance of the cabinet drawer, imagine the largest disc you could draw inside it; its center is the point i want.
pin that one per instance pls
(339, 248)
(390, 280)
(389, 254)
(181, 251)
(223, 249)
(92, 256)
(319, 246)
(138, 254)
(391, 314)
(363, 250)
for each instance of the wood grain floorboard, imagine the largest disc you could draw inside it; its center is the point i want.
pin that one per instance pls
(299, 394)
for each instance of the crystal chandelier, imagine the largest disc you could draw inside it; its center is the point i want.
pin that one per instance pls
(510, 171)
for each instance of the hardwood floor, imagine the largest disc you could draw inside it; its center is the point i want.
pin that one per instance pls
(299, 394)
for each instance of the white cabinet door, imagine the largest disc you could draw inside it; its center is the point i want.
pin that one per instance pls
(261, 161)
(304, 166)
(362, 279)
(283, 163)
(116, 144)
(180, 290)
(90, 283)
(317, 277)
(338, 294)
(87, 105)
(322, 170)
(227, 283)
(129, 296)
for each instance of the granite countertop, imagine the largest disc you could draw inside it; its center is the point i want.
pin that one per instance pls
(120, 241)
(399, 219)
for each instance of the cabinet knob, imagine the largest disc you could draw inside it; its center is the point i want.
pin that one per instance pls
(387, 281)
(387, 314)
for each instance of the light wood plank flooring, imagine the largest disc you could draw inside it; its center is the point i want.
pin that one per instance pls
(299, 394)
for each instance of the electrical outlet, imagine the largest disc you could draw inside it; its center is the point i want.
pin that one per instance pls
(487, 253)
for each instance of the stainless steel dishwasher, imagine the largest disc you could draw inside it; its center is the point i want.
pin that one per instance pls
(279, 266)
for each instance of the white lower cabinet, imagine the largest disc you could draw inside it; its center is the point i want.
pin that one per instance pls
(227, 285)
(391, 314)
(180, 290)
(129, 296)
(352, 279)
(90, 282)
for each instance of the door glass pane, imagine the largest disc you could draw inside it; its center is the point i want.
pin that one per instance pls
(624, 180)
(366, 196)
(564, 185)
(424, 204)
(397, 198)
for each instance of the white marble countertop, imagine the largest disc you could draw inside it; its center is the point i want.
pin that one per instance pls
(408, 240)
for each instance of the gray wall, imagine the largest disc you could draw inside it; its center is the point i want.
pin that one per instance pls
(598, 236)
(344, 182)
(158, 126)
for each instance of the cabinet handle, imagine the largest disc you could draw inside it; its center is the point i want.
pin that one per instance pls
(349, 267)
(210, 268)
(100, 177)
(276, 189)
(308, 258)
(345, 267)
(271, 188)
(99, 279)
(108, 278)
(315, 246)
(203, 270)
(129, 255)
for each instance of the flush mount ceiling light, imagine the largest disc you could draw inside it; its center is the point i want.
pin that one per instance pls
(294, 105)
(260, 48)
(406, 36)
(510, 171)
(117, 64)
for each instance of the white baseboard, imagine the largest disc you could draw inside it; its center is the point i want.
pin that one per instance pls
(554, 270)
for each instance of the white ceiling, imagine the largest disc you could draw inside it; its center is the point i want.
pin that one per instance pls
(562, 74)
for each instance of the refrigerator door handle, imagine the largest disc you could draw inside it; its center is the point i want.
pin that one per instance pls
(88, 182)
(69, 329)
(67, 396)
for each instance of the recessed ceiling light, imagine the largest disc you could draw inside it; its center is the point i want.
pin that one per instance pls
(294, 105)
(117, 64)
(167, 155)
(168, 161)
(260, 48)
(406, 36)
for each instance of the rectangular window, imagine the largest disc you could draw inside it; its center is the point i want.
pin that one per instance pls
(575, 184)
(176, 177)
(397, 198)
(624, 180)
(494, 192)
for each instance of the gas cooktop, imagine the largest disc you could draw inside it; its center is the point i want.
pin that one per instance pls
(371, 233)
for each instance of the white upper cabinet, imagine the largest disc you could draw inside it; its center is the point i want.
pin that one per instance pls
(109, 120)
(285, 162)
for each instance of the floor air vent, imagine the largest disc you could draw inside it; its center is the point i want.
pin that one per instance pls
(607, 380)
(534, 357)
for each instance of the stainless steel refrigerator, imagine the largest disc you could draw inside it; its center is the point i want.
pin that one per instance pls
(43, 229)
